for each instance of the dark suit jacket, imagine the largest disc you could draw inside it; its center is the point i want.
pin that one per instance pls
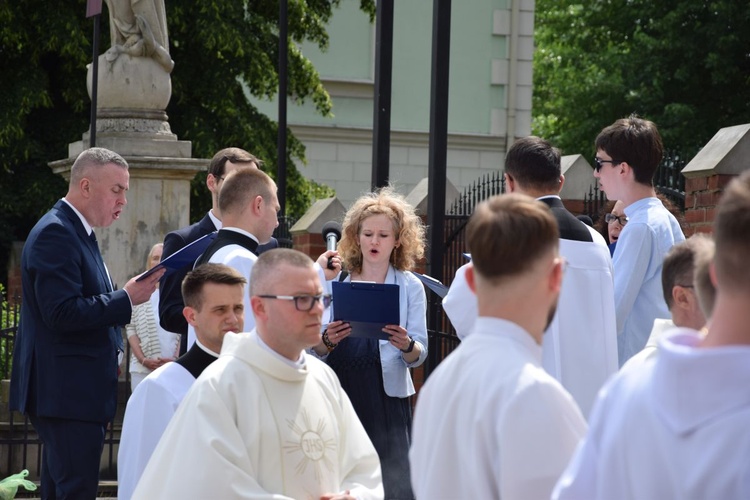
(170, 291)
(170, 294)
(65, 357)
(571, 228)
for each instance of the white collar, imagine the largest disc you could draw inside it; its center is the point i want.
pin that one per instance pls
(206, 349)
(85, 223)
(214, 219)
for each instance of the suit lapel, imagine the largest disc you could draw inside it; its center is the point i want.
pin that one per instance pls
(86, 242)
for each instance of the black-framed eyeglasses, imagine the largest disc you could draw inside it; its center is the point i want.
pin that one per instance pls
(303, 302)
(599, 162)
(610, 218)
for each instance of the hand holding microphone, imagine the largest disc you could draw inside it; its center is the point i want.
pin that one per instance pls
(332, 234)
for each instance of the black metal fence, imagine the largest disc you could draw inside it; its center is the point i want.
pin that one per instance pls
(442, 335)
(669, 180)
(20, 446)
(283, 231)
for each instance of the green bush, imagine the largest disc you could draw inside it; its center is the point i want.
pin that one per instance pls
(7, 322)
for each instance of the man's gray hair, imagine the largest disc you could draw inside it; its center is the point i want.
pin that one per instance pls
(94, 157)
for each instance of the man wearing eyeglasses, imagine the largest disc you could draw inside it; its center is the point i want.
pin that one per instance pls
(213, 295)
(170, 299)
(266, 418)
(628, 153)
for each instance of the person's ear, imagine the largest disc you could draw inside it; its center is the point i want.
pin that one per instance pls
(562, 183)
(85, 186)
(189, 314)
(258, 307)
(681, 298)
(510, 183)
(471, 278)
(556, 275)
(625, 168)
(258, 205)
(212, 183)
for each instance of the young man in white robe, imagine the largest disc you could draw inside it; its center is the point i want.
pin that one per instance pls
(678, 427)
(266, 420)
(580, 345)
(213, 296)
(249, 208)
(490, 422)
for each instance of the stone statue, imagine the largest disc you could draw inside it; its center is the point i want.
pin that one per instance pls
(138, 28)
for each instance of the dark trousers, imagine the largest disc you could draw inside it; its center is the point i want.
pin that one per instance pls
(70, 457)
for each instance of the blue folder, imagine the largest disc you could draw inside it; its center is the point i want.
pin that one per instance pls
(433, 284)
(366, 306)
(182, 257)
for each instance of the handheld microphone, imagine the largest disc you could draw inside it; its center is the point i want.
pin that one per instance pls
(332, 234)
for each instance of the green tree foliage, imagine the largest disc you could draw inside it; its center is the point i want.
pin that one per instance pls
(684, 64)
(223, 50)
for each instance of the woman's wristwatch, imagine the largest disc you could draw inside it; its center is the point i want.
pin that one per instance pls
(410, 348)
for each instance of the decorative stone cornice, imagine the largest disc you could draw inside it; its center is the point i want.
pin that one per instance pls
(352, 135)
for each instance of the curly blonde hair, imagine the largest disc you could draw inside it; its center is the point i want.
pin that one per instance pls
(407, 226)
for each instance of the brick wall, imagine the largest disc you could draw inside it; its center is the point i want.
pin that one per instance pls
(311, 244)
(701, 197)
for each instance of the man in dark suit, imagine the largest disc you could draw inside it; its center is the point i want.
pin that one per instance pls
(65, 359)
(170, 298)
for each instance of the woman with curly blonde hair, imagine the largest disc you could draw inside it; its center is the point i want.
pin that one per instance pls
(382, 239)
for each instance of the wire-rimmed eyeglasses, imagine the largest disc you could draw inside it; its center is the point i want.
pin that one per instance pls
(599, 162)
(610, 218)
(303, 302)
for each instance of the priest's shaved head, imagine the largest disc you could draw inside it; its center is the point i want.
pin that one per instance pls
(288, 301)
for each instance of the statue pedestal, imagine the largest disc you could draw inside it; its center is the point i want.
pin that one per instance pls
(161, 167)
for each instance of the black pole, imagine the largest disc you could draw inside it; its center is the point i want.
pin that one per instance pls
(94, 80)
(381, 122)
(437, 168)
(283, 79)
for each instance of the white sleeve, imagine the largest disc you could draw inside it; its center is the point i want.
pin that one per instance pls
(460, 304)
(148, 412)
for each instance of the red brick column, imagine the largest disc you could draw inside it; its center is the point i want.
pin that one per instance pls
(311, 244)
(576, 207)
(701, 197)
